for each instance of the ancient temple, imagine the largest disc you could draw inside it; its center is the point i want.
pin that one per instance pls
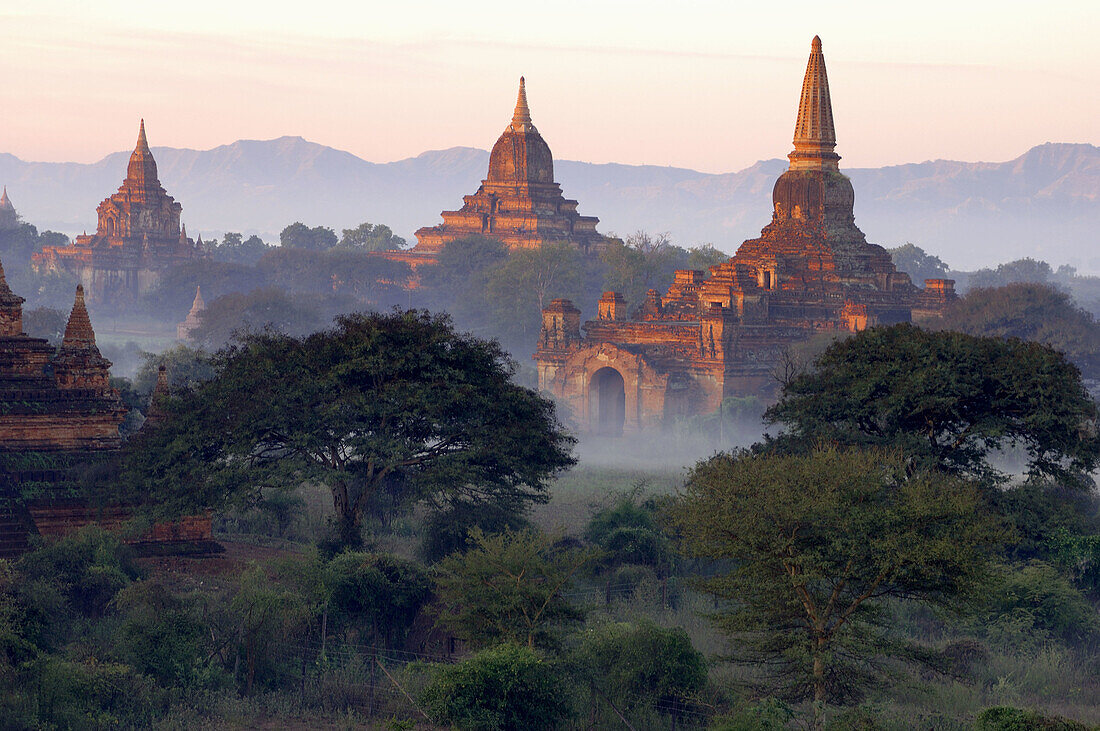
(193, 320)
(58, 414)
(138, 236)
(56, 410)
(9, 219)
(721, 333)
(518, 202)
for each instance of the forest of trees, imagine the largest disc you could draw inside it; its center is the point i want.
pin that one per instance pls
(413, 540)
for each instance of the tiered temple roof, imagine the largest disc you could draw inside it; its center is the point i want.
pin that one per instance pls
(138, 234)
(719, 334)
(518, 202)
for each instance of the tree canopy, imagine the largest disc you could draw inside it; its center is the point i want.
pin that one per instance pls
(1029, 311)
(300, 236)
(947, 400)
(817, 542)
(368, 237)
(380, 399)
(918, 264)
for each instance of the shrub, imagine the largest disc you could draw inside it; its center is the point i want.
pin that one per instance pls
(651, 665)
(383, 592)
(1006, 718)
(1034, 600)
(501, 688)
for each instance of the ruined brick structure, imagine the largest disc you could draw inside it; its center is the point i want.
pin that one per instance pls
(192, 321)
(138, 236)
(720, 334)
(58, 412)
(518, 202)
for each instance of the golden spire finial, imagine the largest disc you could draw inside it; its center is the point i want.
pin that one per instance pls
(814, 133)
(521, 118)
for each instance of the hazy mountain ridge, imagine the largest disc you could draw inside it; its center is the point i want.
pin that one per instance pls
(1045, 203)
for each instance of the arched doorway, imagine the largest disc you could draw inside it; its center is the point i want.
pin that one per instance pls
(607, 402)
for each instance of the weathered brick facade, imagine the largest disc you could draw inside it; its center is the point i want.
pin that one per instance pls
(722, 333)
(138, 236)
(58, 413)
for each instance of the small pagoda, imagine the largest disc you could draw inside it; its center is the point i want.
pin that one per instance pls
(137, 237)
(518, 203)
(9, 218)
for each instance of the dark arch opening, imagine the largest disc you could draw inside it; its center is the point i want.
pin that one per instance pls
(607, 402)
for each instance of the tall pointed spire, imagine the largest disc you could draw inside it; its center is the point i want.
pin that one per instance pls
(78, 332)
(142, 169)
(814, 133)
(197, 305)
(142, 143)
(521, 118)
(5, 202)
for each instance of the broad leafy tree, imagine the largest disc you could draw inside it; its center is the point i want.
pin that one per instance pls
(267, 307)
(1030, 311)
(367, 237)
(948, 400)
(1020, 270)
(519, 289)
(918, 263)
(300, 236)
(398, 400)
(235, 249)
(819, 543)
(509, 587)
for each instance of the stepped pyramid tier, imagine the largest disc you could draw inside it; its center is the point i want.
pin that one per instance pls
(51, 401)
(518, 202)
(137, 236)
(79, 363)
(722, 333)
(9, 219)
(193, 319)
(59, 414)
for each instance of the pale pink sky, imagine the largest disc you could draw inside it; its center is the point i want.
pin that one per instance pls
(709, 85)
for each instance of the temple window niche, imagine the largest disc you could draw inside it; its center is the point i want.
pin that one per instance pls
(767, 279)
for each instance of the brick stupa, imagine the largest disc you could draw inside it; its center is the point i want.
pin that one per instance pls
(193, 319)
(518, 202)
(138, 235)
(9, 219)
(720, 334)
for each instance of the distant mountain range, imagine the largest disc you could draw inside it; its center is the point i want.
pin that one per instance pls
(1044, 204)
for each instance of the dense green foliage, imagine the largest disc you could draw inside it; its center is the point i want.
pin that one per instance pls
(918, 264)
(397, 399)
(503, 688)
(947, 400)
(640, 665)
(819, 541)
(1036, 312)
(509, 588)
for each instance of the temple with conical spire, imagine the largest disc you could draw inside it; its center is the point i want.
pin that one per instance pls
(722, 333)
(137, 237)
(518, 203)
(58, 415)
(192, 321)
(9, 218)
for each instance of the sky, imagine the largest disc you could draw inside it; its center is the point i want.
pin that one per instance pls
(708, 85)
